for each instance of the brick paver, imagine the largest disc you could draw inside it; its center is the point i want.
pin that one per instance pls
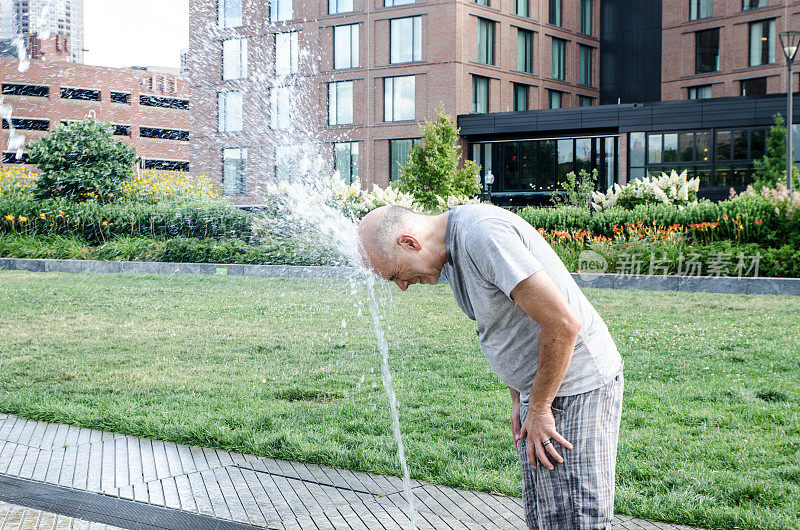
(258, 491)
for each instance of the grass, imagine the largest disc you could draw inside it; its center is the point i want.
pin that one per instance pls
(288, 368)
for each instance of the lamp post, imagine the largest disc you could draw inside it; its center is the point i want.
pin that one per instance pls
(789, 42)
(489, 179)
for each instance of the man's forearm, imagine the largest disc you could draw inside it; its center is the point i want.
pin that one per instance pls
(556, 346)
(514, 396)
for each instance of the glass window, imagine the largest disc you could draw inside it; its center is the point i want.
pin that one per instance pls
(700, 92)
(521, 8)
(480, 94)
(700, 9)
(757, 143)
(585, 101)
(485, 41)
(610, 165)
(547, 164)
(280, 105)
(565, 155)
(392, 3)
(340, 6)
(405, 40)
(285, 162)
(527, 165)
(584, 65)
(586, 17)
(559, 58)
(555, 99)
(556, 12)
(740, 145)
(229, 112)
(524, 50)
(706, 47)
(234, 171)
(509, 180)
(762, 42)
(398, 155)
(234, 59)
(754, 87)
(481, 2)
(653, 148)
(686, 147)
(637, 148)
(229, 13)
(703, 146)
(752, 4)
(398, 98)
(520, 97)
(286, 53)
(345, 160)
(280, 10)
(340, 103)
(583, 154)
(723, 145)
(345, 46)
(670, 148)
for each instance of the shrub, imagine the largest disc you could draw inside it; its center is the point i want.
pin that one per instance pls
(578, 189)
(666, 189)
(81, 161)
(771, 170)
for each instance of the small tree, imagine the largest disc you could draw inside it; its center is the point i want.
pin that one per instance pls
(578, 189)
(433, 168)
(771, 169)
(80, 161)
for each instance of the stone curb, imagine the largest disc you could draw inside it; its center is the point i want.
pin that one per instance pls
(691, 284)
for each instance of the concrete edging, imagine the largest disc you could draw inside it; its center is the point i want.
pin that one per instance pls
(693, 284)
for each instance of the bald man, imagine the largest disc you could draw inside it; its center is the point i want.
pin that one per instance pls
(541, 337)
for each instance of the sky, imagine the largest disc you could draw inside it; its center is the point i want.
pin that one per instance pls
(135, 32)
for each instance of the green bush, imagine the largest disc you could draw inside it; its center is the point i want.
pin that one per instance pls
(771, 169)
(81, 161)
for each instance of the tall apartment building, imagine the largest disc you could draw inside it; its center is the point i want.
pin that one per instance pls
(26, 17)
(375, 69)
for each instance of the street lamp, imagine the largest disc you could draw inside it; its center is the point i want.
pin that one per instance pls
(789, 43)
(489, 179)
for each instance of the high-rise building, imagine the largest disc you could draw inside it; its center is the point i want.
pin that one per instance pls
(372, 70)
(26, 17)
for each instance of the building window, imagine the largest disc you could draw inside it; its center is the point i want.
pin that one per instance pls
(10, 157)
(280, 107)
(556, 12)
(520, 97)
(234, 59)
(164, 134)
(286, 53)
(39, 91)
(339, 6)
(398, 98)
(762, 42)
(706, 46)
(122, 130)
(285, 162)
(559, 58)
(754, 87)
(83, 94)
(345, 160)
(340, 103)
(480, 94)
(700, 92)
(392, 3)
(585, 101)
(398, 155)
(405, 40)
(586, 17)
(485, 41)
(28, 124)
(481, 2)
(753, 4)
(280, 10)
(345, 46)
(229, 112)
(525, 50)
(234, 171)
(165, 165)
(163, 102)
(555, 99)
(700, 9)
(121, 97)
(584, 65)
(229, 13)
(521, 8)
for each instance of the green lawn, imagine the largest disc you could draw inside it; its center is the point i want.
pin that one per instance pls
(289, 368)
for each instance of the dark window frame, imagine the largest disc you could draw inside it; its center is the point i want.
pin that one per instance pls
(706, 51)
(25, 89)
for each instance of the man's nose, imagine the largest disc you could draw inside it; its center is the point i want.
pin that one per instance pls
(402, 284)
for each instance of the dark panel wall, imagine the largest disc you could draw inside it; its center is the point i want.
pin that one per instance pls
(630, 51)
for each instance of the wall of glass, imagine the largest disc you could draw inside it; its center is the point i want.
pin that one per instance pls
(534, 167)
(720, 158)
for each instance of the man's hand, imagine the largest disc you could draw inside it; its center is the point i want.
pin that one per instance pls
(516, 425)
(540, 426)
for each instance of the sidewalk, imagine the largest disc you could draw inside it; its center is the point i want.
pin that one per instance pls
(60, 476)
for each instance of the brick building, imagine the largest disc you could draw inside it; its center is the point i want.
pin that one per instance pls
(373, 69)
(28, 17)
(149, 109)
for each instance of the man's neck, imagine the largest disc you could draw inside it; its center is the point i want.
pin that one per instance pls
(438, 238)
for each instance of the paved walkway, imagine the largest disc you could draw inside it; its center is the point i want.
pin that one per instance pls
(114, 479)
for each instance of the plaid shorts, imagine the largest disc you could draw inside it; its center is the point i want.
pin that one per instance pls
(579, 493)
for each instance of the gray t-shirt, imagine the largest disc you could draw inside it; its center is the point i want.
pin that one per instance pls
(491, 250)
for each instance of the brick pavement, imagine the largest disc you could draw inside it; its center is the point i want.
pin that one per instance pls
(253, 490)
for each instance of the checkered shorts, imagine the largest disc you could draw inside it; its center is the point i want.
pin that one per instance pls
(579, 493)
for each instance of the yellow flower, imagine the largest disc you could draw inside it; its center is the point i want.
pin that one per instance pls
(22, 218)
(9, 217)
(42, 216)
(105, 223)
(61, 212)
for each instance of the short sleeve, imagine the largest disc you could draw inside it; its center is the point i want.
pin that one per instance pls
(500, 255)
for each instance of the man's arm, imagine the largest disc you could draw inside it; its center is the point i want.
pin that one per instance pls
(539, 297)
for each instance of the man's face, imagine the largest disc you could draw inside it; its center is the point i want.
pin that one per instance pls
(408, 265)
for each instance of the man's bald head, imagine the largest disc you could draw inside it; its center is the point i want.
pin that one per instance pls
(380, 230)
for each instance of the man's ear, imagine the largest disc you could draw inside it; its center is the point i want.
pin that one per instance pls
(408, 241)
